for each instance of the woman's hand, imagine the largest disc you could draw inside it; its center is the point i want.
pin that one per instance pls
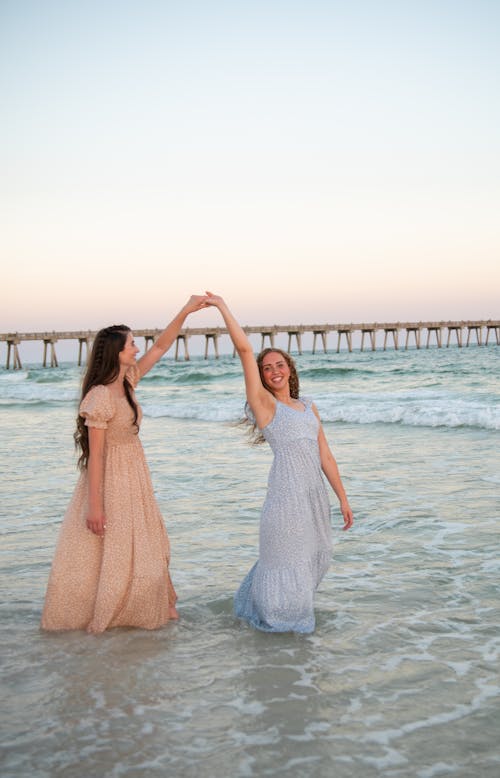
(195, 303)
(96, 523)
(214, 299)
(346, 511)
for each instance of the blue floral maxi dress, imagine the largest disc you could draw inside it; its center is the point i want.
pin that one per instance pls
(295, 543)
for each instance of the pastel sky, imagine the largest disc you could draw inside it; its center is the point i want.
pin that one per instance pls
(311, 160)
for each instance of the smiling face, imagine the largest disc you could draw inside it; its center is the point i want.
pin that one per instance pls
(129, 352)
(278, 372)
(275, 371)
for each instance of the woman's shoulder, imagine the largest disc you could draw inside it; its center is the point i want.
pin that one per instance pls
(99, 392)
(97, 405)
(133, 375)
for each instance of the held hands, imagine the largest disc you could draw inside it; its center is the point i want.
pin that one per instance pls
(195, 303)
(214, 299)
(96, 523)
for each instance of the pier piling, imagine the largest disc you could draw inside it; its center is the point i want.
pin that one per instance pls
(415, 331)
(476, 328)
(12, 348)
(322, 334)
(214, 338)
(347, 332)
(437, 331)
(297, 335)
(370, 331)
(184, 340)
(391, 331)
(148, 341)
(85, 341)
(264, 335)
(457, 329)
(53, 357)
(492, 328)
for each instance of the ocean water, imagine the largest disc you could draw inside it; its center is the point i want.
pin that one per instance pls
(400, 678)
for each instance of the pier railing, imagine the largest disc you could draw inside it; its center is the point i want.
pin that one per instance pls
(457, 333)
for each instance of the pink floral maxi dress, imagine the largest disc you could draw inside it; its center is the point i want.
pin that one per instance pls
(122, 579)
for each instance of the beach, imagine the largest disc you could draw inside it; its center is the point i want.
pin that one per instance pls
(399, 679)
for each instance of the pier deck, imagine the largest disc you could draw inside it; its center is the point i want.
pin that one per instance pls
(479, 332)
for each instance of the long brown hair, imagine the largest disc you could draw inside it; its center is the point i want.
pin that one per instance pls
(103, 368)
(255, 434)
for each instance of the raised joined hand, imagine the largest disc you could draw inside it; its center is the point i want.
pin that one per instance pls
(196, 302)
(214, 299)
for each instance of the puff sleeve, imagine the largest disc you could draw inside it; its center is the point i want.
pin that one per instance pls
(133, 376)
(97, 407)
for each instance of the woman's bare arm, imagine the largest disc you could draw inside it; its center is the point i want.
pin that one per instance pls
(260, 400)
(96, 521)
(169, 334)
(331, 471)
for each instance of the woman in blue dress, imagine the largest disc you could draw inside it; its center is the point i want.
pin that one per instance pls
(295, 543)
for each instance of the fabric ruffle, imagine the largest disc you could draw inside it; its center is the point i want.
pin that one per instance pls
(281, 599)
(97, 407)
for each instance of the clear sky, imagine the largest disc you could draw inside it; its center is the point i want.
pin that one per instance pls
(313, 161)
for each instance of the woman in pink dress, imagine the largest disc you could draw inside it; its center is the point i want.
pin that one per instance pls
(111, 563)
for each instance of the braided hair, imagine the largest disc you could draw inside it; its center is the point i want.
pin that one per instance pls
(103, 368)
(256, 435)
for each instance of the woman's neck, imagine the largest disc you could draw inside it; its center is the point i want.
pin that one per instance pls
(283, 396)
(116, 386)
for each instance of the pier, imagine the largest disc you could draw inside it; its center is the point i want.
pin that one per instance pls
(457, 332)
